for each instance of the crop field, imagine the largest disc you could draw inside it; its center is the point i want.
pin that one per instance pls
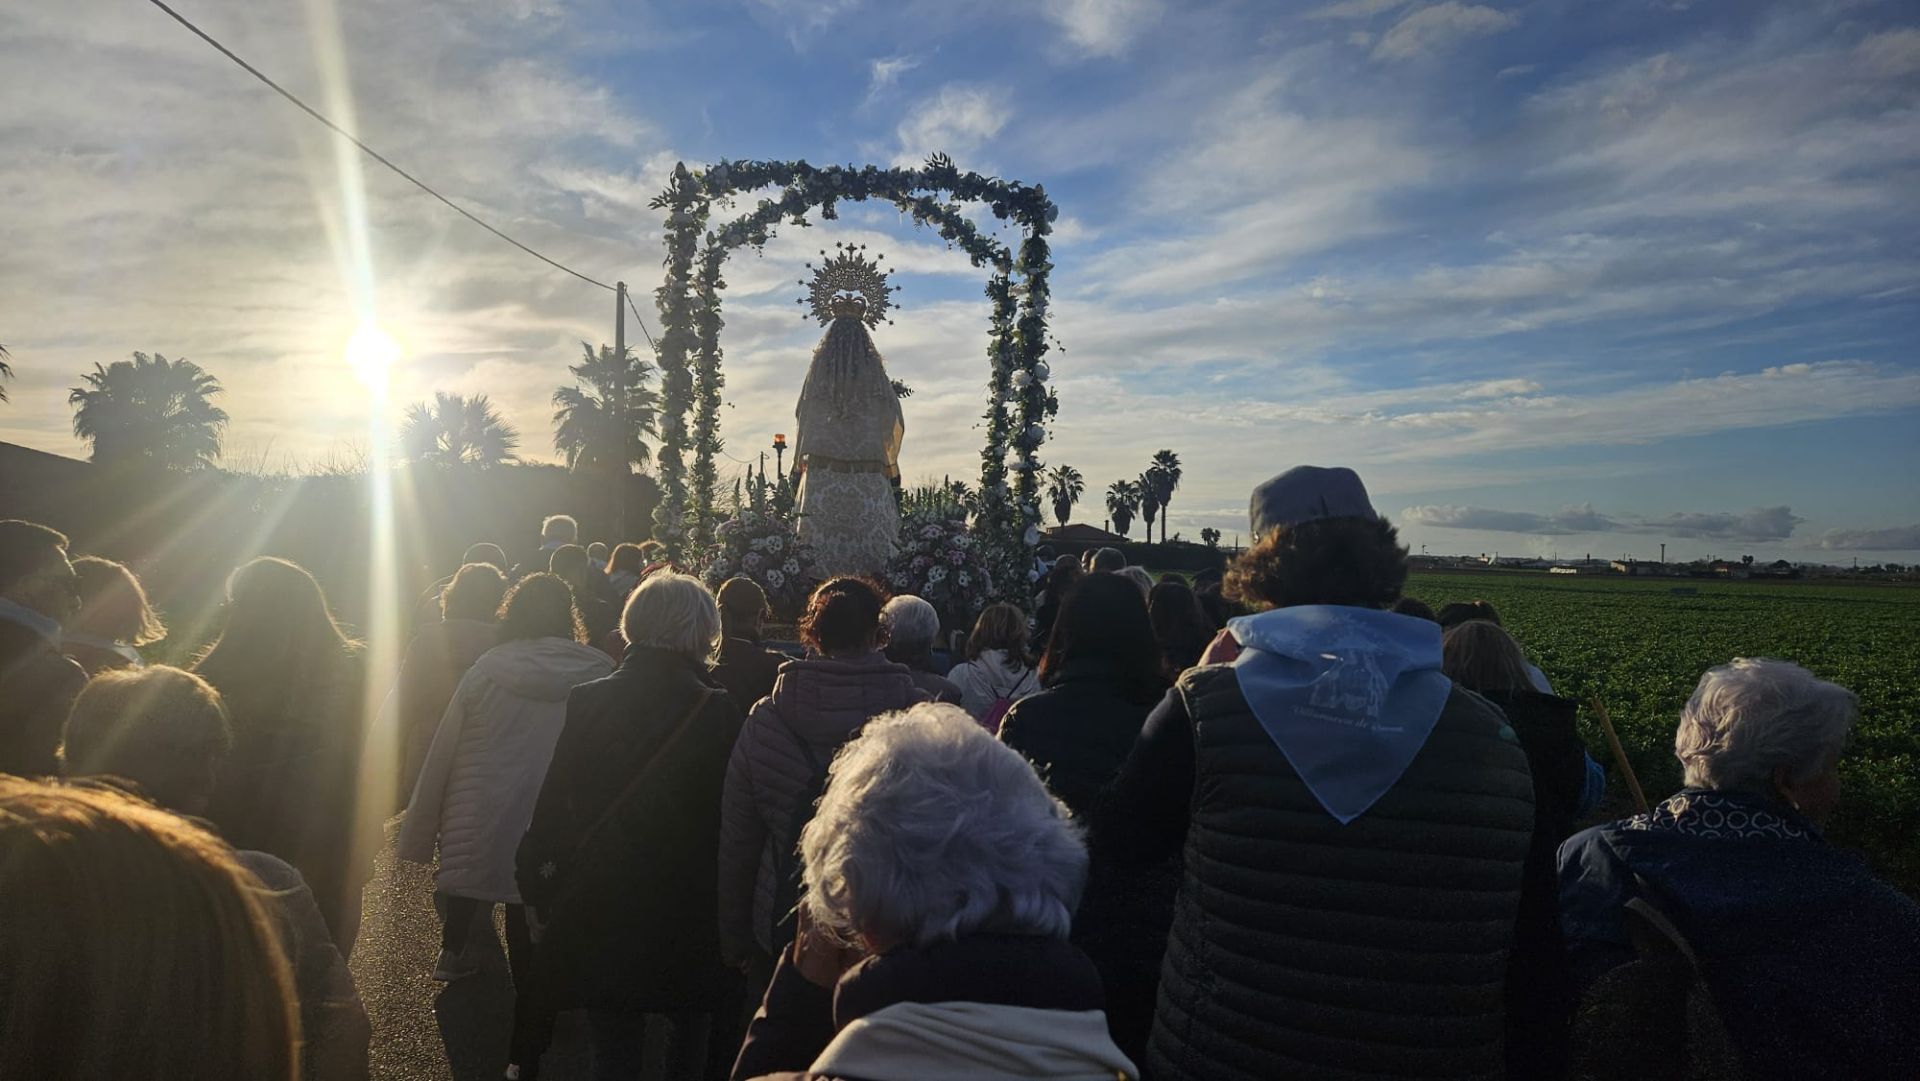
(1639, 648)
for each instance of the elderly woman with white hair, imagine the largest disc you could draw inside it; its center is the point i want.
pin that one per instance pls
(621, 859)
(940, 884)
(912, 625)
(1813, 964)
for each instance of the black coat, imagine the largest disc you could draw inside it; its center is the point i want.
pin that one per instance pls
(631, 918)
(747, 670)
(37, 687)
(1302, 947)
(1077, 734)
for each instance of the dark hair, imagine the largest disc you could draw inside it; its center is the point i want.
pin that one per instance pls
(1358, 562)
(540, 606)
(843, 614)
(1179, 625)
(627, 556)
(1001, 626)
(23, 547)
(1480, 656)
(483, 552)
(1103, 617)
(1452, 615)
(1415, 607)
(277, 623)
(117, 910)
(1066, 571)
(474, 593)
(568, 561)
(1109, 559)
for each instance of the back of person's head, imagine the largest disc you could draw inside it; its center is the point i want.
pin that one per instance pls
(28, 551)
(1179, 623)
(597, 553)
(1482, 657)
(1103, 619)
(1216, 604)
(1755, 722)
(675, 612)
(627, 556)
(912, 625)
(161, 728)
(1415, 607)
(932, 830)
(742, 605)
(134, 945)
(843, 617)
(1458, 612)
(1317, 540)
(559, 527)
(569, 564)
(113, 604)
(277, 619)
(475, 593)
(540, 606)
(652, 551)
(1140, 579)
(1109, 560)
(484, 552)
(1001, 626)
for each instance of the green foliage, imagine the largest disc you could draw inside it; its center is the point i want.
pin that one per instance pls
(1123, 502)
(150, 412)
(1065, 485)
(602, 422)
(1640, 649)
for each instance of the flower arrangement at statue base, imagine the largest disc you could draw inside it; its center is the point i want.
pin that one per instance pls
(764, 547)
(943, 563)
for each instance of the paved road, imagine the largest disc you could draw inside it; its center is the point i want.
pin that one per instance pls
(428, 1031)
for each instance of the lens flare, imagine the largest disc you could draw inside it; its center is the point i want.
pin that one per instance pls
(371, 353)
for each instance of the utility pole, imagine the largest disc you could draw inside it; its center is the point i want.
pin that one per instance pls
(620, 410)
(1663, 551)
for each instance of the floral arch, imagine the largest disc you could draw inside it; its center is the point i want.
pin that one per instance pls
(688, 351)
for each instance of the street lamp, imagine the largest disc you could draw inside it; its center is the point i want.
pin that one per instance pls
(780, 453)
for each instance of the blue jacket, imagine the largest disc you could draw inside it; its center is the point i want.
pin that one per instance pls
(1813, 963)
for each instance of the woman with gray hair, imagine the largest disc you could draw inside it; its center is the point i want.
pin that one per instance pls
(912, 625)
(1813, 964)
(620, 861)
(940, 884)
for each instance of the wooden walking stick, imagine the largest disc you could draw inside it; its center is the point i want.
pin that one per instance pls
(1620, 755)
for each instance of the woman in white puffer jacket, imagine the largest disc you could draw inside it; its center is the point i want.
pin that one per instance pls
(476, 791)
(995, 674)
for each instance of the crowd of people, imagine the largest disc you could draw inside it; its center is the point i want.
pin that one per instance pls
(1277, 821)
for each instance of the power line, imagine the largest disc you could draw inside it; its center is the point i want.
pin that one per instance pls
(377, 156)
(642, 322)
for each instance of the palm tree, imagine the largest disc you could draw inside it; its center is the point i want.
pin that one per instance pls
(1149, 500)
(1123, 502)
(457, 430)
(6, 371)
(1166, 471)
(602, 428)
(1064, 488)
(150, 411)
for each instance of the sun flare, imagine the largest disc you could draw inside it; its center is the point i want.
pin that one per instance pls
(371, 353)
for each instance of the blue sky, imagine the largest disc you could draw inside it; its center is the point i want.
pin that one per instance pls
(1555, 276)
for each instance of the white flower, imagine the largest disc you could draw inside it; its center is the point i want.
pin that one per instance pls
(1041, 371)
(791, 566)
(1022, 380)
(1036, 435)
(963, 578)
(1032, 536)
(936, 574)
(775, 578)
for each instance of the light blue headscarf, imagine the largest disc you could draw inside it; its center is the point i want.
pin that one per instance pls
(1348, 695)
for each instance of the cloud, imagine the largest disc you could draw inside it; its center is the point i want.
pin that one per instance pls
(802, 19)
(1356, 9)
(959, 119)
(1101, 27)
(1433, 28)
(884, 72)
(1758, 525)
(1892, 52)
(1895, 538)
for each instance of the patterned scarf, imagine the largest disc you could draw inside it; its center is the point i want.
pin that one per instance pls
(1698, 812)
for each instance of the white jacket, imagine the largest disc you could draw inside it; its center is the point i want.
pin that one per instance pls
(990, 677)
(483, 772)
(971, 1041)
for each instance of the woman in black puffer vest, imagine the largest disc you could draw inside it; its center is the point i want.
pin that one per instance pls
(1354, 825)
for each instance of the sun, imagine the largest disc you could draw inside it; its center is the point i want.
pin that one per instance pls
(371, 353)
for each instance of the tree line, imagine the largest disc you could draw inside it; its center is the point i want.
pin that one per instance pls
(1145, 496)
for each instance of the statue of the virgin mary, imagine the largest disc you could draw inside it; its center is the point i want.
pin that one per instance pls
(847, 444)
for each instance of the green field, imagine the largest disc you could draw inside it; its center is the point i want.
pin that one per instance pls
(1640, 648)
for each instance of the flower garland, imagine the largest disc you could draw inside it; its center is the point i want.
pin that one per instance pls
(766, 548)
(1019, 405)
(942, 563)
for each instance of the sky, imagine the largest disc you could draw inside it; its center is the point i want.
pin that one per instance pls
(1555, 277)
